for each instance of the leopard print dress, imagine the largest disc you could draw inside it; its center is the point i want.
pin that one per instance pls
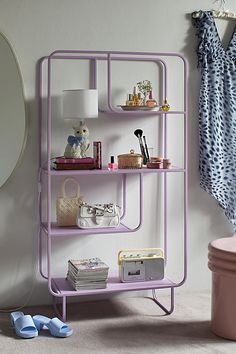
(217, 114)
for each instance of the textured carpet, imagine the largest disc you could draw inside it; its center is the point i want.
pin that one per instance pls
(127, 325)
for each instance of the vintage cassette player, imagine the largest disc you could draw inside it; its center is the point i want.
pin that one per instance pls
(141, 264)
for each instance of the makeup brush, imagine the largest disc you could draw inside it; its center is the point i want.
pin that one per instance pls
(146, 148)
(139, 133)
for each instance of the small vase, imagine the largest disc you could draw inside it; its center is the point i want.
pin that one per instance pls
(144, 99)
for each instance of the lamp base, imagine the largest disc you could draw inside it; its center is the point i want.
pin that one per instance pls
(72, 152)
(78, 143)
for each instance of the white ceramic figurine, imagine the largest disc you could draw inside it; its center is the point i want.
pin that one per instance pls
(77, 144)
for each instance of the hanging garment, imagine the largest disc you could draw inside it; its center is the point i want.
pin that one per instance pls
(217, 114)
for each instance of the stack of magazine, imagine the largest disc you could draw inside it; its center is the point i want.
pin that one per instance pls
(90, 273)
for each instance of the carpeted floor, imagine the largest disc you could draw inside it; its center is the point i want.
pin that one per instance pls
(128, 326)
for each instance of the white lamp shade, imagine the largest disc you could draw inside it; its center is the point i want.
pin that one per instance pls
(80, 103)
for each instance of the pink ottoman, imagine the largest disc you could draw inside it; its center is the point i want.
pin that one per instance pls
(222, 263)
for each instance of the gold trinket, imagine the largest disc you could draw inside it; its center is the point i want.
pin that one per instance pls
(165, 107)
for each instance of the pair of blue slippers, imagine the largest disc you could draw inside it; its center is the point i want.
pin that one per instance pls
(28, 327)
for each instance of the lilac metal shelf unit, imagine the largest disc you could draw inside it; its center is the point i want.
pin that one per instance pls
(59, 287)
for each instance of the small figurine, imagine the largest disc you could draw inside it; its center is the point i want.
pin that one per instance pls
(78, 144)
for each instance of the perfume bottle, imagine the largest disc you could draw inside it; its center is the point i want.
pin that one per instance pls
(112, 165)
(151, 102)
(130, 101)
(140, 103)
(165, 107)
(135, 98)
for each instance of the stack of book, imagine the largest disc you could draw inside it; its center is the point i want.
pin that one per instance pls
(88, 273)
(63, 163)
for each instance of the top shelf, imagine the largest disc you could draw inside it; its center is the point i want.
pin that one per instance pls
(140, 113)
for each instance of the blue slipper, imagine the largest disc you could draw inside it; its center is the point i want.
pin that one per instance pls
(56, 327)
(24, 325)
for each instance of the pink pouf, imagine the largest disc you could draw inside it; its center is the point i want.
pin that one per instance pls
(222, 263)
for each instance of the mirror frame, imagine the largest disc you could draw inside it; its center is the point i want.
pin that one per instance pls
(19, 159)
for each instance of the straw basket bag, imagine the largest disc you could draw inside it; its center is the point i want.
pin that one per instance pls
(67, 206)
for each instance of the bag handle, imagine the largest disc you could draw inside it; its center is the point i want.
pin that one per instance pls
(63, 186)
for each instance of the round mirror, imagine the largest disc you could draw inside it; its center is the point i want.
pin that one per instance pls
(12, 111)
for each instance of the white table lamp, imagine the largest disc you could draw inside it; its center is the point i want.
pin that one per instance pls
(80, 104)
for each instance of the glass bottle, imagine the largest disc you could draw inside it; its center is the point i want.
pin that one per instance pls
(136, 99)
(112, 165)
(130, 101)
(165, 107)
(151, 102)
(140, 99)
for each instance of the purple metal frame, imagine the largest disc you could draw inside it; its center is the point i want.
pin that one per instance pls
(58, 287)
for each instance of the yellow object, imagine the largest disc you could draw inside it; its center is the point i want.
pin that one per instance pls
(136, 100)
(165, 107)
(138, 253)
(130, 101)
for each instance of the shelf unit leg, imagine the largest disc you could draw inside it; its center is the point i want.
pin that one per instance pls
(154, 298)
(61, 314)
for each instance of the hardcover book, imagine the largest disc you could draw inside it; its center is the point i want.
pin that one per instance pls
(63, 163)
(73, 166)
(84, 160)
